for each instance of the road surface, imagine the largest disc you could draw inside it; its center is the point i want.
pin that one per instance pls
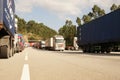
(34, 64)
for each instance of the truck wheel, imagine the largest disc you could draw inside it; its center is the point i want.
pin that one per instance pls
(10, 52)
(102, 52)
(13, 51)
(107, 52)
(84, 51)
(5, 52)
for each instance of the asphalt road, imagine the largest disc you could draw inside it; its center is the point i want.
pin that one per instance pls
(34, 64)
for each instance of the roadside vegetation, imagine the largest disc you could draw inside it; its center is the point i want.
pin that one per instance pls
(34, 30)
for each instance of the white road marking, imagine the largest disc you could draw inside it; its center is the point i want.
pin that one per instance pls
(26, 57)
(25, 72)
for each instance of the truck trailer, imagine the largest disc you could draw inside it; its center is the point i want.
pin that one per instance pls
(101, 35)
(55, 43)
(7, 28)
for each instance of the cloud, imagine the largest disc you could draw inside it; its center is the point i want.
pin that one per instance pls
(24, 6)
(63, 7)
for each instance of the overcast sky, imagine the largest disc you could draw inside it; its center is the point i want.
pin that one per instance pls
(54, 13)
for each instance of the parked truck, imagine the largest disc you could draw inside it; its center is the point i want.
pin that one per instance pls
(7, 28)
(19, 47)
(101, 35)
(16, 35)
(74, 46)
(42, 44)
(55, 43)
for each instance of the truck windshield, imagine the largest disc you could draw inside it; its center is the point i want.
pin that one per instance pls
(59, 40)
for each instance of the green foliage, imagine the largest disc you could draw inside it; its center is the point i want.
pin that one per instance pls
(86, 18)
(97, 11)
(78, 21)
(101, 12)
(119, 7)
(21, 25)
(34, 30)
(68, 31)
(91, 14)
(113, 7)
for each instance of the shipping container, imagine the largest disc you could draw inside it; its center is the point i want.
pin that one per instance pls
(7, 28)
(102, 33)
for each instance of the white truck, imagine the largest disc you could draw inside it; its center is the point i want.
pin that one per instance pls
(75, 43)
(56, 43)
(42, 44)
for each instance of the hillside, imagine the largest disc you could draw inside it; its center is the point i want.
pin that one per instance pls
(34, 30)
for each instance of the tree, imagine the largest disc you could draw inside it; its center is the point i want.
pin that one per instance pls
(78, 21)
(86, 18)
(91, 14)
(34, 30)
(68, 31)
(113, 7)
(21, 25)
(119, 7)
(68, 23)
(40, 29)
(101, 12)
(97, 11)
(30, 26)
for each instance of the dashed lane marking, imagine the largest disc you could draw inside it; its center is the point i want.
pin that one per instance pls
(26, 57)
(25, 72)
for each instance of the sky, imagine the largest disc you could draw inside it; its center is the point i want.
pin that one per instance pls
(54, 13)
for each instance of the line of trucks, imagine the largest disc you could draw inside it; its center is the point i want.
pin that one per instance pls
(101, 35)
(8, 29)
(56, 43)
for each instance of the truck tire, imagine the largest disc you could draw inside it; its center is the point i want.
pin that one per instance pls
(5, 52)
(10, 52)
(13, 51)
